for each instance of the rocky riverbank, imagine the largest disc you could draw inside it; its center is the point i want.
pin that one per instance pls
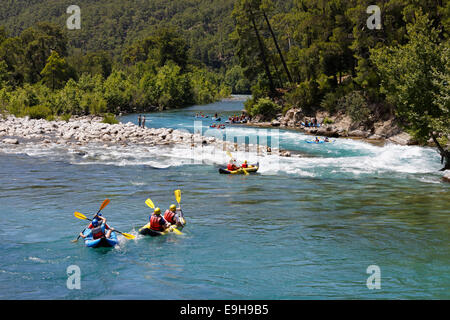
(340, 125)
(81, 131)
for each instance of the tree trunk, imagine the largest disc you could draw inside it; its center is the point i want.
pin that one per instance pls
(278, 48)
(263, 55)
(445, 154)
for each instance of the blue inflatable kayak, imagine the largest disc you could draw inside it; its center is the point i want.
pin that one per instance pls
(102, 242)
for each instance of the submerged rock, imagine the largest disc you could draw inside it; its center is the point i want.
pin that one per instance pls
(446, 176)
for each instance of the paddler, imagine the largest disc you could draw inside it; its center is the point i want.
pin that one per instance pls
(158, 223)
(98, 230)
(244, 165)
(232, 166)
(174, 216)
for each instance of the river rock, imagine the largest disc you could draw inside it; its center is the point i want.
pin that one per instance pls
(11, 141)
(446, 176)
(403, 138)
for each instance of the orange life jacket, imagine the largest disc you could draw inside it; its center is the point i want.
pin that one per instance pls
(169, 216)
(155, 223)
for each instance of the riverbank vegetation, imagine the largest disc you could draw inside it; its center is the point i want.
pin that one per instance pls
(320, 56)
(315, 56)
(39, 78)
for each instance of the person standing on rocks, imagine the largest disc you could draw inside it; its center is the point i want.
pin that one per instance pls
(139, 121)
(143, 122)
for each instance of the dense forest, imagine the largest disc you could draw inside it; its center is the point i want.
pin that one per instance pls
(309, 54)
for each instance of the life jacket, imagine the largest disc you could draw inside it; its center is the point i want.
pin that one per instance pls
(155, 223)
(169, 216)
(244, 165)
(231, 167)
(98, 232)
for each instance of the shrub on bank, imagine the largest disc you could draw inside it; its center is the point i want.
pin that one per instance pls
(38, 112)
(265, 107)
(110, 119)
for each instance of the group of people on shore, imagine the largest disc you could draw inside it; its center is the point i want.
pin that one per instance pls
(235, 118)
(311, 124)
(141, 121)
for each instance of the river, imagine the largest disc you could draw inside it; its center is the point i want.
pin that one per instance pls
(305, 227)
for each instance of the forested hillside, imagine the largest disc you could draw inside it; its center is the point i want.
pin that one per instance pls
(308, 54)
(112, 24)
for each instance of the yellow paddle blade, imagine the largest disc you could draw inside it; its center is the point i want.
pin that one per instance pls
(128, 236)
(178, 195)
(104, 204)
(173, 229)
(80, 216)
(229, 154)
(245, 171)
(150, 203)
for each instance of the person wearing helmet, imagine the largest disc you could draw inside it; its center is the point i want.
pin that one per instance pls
(174, 216)
(99, 229)
(98, 218)
(245, 165)
(232, 166)
(157, 222)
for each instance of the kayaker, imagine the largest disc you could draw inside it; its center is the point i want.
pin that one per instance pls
(317, 140)
(158, 223)
(231, 166)
(97, 217)
(244, 165)
(99, 229)
(173, 216)
(326, 139)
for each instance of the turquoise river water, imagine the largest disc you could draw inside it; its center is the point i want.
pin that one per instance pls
(305, 227)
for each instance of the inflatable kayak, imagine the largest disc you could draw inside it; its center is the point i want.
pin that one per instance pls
(251, 169)
(102, 242)
(146, 231)
(313, 141)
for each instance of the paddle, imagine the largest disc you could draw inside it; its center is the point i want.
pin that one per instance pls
(104, 204)
(83, 217)
(178, 198)
(150, 203)
(231, 156)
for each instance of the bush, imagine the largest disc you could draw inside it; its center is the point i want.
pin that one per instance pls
(327, 121)
(110, 119)
(265, 107)
(38, 112)
(66, 117)
(305, 96)
(355, 105)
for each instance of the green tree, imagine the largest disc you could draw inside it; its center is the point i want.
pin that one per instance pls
(56, 72)
(413, 79)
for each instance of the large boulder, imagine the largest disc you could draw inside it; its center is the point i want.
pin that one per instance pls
(11, 141)
(403, 138)
(446, 176)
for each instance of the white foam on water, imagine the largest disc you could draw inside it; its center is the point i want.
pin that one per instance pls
(352, 157)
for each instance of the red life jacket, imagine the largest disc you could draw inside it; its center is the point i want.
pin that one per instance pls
(155, 223)
(169, 216)
(244, 165)
(231, 167)
(97, 232)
